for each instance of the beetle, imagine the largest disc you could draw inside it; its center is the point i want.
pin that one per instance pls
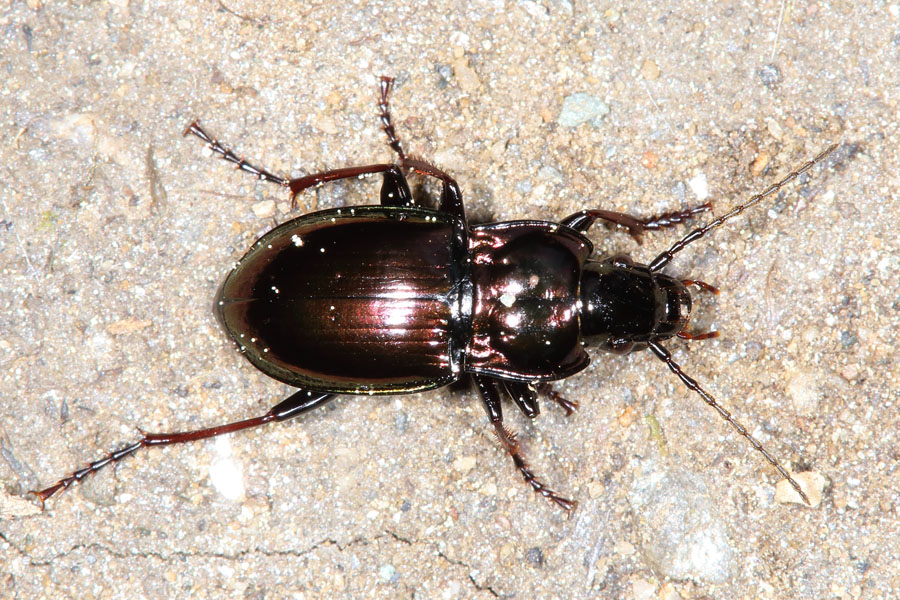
(398, 298)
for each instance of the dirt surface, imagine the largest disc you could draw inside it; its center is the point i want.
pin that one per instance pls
(115, 232)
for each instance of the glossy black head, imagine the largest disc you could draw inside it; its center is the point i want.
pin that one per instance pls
(624, 305)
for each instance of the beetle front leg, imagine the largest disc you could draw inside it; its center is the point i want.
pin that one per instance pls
(567, 405)
(583, 219)
(490, 396)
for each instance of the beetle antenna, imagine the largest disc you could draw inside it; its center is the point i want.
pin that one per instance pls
(666, 357)
(663, 259)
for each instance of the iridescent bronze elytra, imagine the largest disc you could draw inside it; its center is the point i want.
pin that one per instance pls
(398, 298)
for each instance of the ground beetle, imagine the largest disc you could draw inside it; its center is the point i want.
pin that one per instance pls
(398, 298)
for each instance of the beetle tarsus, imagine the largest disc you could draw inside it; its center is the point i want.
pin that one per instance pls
(508, 441)
(387, 84)
(229, 156)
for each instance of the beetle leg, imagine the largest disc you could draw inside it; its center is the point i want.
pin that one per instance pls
(395, 190)
(583, 219)
(490, 396)
(525, 397)
(451, 197)
(701, 285)
(226, 154)
(307, 181)
(694, 337)
(300, 401)
(567, 405)
(387, 84)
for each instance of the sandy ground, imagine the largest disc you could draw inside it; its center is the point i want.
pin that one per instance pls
(116, 231)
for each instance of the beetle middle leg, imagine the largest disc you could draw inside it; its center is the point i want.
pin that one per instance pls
(636, 226)
(299, 402)
(227, 155)
(488, 389)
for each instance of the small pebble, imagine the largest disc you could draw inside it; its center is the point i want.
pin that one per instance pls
(264, 209)
(759, 165)
(580, 108)
(466, 76)
(464, 464)
(812, 483)
(649, 160)
(668, 591)
(649, 70)
(627, 416)
(641, 589)
(681, 533)
(386, 573)
(774, 128)
(770, 75)
(699, 186)
(850, 372)
(803, 389)
(535, 556)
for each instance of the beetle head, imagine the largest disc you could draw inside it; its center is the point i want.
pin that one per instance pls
(624, 305)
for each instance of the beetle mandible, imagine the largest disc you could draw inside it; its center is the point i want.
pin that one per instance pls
(398, 298)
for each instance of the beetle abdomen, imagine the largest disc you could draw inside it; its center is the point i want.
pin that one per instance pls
(350, 300)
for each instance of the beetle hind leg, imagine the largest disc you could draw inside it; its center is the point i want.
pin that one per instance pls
(300, 401)
(488, 389)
